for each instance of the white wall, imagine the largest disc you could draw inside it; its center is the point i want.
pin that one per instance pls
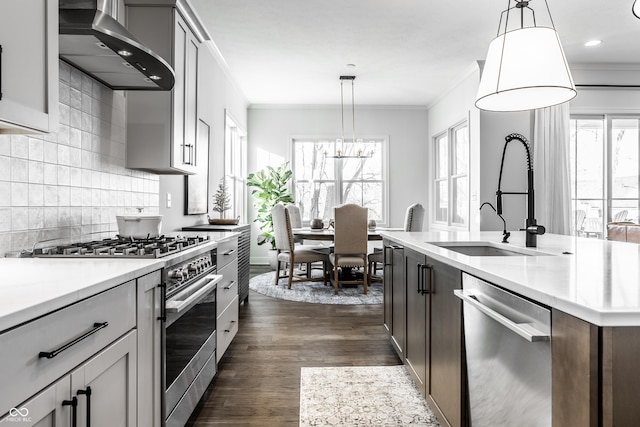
(271, 129)
(456, 105)
(218, 94)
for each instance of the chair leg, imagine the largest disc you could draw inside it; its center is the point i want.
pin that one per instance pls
(308, 270)
(290, 273)
(324, 271)
(336, 277)
(365, 277)
(277, 273)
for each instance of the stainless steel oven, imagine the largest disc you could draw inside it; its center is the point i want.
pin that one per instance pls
(189, 311)
(190, 334)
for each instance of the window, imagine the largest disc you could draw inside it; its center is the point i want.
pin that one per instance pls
(235, 167)
(322, 182)
(605, 168)
(451, 182)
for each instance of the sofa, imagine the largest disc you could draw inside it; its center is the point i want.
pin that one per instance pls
(623, 231)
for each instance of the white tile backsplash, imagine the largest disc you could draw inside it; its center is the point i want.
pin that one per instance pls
(71, 184)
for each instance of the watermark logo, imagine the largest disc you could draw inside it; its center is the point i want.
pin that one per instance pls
(18, 415)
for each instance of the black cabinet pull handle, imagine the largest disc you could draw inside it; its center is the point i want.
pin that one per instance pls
(420, 282)
(425, 289)
(229, 252)
(384, 255)
(163, 313)
(87, 392)
(0, 72)
(74, 410)
(51, 354)
(230, 285)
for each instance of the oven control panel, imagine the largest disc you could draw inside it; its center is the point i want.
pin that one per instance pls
(179, 274)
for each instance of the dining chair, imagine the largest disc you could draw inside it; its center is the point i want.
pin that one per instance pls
(580, 215)
(289, 253)
(350, 245)
(296, 222)
(620, 216)
(413, 221)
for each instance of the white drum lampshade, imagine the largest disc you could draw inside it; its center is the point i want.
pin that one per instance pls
(525, 68)
(636, 9)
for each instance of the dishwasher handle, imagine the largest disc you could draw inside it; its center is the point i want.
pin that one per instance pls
(525, 330)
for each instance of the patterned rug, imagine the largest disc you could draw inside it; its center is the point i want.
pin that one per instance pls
(361, 396)
(314, 292)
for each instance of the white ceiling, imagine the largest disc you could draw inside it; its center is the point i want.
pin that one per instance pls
(406, 52)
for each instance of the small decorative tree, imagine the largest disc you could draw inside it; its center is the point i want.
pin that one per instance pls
(222, 198)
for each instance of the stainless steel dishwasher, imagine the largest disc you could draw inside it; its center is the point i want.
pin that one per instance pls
(508, 346)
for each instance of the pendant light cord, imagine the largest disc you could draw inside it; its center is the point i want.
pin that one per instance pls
(353, 113)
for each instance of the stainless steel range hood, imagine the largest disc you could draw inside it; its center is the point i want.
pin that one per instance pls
(93, 41)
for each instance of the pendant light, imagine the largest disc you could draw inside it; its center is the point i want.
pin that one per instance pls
(525, 67)
(340, 152)
(636, 8)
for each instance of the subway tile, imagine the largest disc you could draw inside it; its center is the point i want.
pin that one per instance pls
(36, 195)
(5, 193)
(87, 84)
(64, 71)
(86, 140)
(75, 118)
(86, 215)
(51, 152)
(63, 175)
(51, 195)
(85, 159)
(63, 154)
(36, 149)
(87, 103)
(76, 79)
(36, 218)
(86, 178)
(19, 194)
(19, 170)
(50, 217)
(64, 134)
(20, 146)
(75, 216)
(74, 157)
(36, 172)
(5, 242)
(75, 99)
(64, 197)
(5, 145)
(50, 173)
(5, 168)
(5, 219)
(63, 93)
(86, 122)
(64, 216)
(64, 114)
(75, 175)
(75, 196)
(75, 137)
(86, 197)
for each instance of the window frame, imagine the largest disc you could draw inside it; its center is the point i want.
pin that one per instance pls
(338, 180)
(607, 200)
(437, 179)
(235, 151)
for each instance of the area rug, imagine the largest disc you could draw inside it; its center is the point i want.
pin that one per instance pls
(361, 396)
(314, 292)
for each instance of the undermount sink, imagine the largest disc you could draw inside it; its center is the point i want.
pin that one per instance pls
(487, 249)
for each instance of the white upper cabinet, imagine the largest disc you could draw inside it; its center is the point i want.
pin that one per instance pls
(28, 66)
(161, 126)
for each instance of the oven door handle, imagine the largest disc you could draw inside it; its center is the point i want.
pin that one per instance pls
(205, 285)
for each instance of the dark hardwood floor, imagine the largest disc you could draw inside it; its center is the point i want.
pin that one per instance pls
(258, 380)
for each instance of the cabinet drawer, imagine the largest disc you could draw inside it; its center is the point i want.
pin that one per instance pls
(227, 327)
(227, 252)
(228, 286)
(65, 333)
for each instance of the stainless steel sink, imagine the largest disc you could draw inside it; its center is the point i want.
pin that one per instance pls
(487, 249)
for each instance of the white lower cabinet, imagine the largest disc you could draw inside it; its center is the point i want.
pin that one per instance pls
(101, 392)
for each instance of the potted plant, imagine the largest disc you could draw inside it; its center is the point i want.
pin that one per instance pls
(221, 204)
(271, 188)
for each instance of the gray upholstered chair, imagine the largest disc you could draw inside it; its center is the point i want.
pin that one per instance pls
(413, 220)
(288, 253)
(350, 244)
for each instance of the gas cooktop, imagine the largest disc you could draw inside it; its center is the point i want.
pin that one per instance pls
(155, 247)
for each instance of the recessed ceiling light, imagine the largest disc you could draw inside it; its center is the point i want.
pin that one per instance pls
(123, 52)
(592, 43)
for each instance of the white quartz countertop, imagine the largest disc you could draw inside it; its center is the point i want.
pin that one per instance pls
(33, 287)
(597, 280)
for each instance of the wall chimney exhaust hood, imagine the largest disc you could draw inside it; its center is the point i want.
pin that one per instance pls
(93, 41)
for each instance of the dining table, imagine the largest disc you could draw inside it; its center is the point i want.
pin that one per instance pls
(328, 234)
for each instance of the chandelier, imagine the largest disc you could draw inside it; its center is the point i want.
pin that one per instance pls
(526, 67)
(341, 152)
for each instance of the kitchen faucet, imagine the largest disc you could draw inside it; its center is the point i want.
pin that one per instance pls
(531, 228)
(505, 233)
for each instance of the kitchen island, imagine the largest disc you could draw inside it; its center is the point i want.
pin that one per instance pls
(592, 288)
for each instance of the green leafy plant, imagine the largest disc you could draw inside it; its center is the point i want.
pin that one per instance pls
(271, 187)
(222, 199)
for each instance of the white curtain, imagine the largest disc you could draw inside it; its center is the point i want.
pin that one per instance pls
(552, 170)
